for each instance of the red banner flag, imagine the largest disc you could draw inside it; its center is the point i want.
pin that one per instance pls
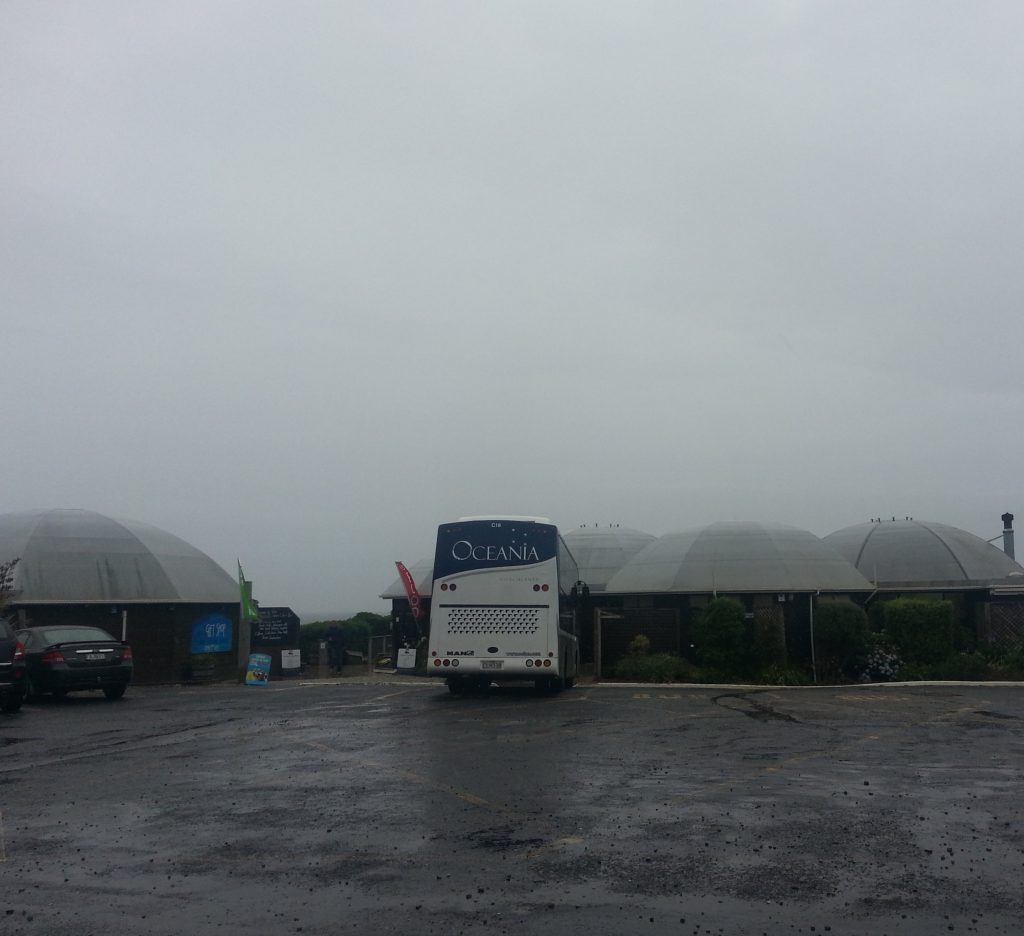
(410, 591)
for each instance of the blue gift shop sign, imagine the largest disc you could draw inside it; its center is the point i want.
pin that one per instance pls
(211, 634)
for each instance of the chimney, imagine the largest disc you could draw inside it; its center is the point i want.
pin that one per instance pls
(1008, 534)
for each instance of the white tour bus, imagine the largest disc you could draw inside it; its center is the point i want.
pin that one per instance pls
(503, 604)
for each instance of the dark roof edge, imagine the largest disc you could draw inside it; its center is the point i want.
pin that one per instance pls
(746, 591)
(112, 602)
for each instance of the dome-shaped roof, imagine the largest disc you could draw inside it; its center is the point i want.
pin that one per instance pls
(916, 554)
(601, 551)
(737, 557)
(80, 556)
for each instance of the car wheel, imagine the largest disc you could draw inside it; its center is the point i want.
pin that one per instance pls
(12, 703)
(31, 692)
(114, 692)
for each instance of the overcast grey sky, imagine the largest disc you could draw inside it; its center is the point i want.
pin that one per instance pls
(298, 281)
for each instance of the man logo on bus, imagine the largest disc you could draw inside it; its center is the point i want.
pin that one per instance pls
(464, 550)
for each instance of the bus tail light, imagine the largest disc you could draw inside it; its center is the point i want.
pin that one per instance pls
(437, 662)
(547, 662)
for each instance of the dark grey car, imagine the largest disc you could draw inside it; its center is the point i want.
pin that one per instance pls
(63, 658)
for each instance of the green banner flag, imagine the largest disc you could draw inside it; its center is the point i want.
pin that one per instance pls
(248, 609)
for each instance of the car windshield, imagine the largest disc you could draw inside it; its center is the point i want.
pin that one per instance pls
(55, 635)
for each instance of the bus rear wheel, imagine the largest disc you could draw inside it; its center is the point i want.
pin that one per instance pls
(548, 685)
(456, 685)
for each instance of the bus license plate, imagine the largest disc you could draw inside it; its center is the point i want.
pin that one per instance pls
(490, 664)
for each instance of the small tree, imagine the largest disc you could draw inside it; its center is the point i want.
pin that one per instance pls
(840, 636)
(720, 636)
(920, 628)
(768, 649)
(6, 583)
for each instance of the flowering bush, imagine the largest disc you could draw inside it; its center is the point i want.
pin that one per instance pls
(639, 646)
(881, 663)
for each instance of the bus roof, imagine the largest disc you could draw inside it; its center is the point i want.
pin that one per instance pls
(508, 517)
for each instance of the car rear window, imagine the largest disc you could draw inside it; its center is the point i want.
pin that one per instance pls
(54, 635)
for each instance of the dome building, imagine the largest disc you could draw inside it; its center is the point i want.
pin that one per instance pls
(170, 600)
(776, 571)
(737, 558)
(914, 557)
(601, 551)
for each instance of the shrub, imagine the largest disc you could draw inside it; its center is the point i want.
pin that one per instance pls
(776, 675)
(720, 636)
(876, 615)
(1006, 661)
(921, 629)
(6, 583)
(769, 644)
(961, 666)
(657, 667)
(639, 646)
(840, 636)
(351, 633)
(957, 666)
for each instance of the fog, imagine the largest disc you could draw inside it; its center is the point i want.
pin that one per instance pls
(299, 282)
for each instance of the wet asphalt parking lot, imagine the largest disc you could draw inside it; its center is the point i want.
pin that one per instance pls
(393, 807)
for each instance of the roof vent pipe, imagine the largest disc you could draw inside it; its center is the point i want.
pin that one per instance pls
(1008, 534)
